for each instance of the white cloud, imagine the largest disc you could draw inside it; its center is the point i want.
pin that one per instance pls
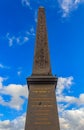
(1, 114)
(72, 119)
(35, 16)
(1, 81)
(70, 100)
(19, 73)
(26, 2)
(69, 120)
(16, 124)
(71, 108)
(11, 41)
(26, 39)
(64, 83)
(16, 39)
(31, 32)
(1, 66)
(16, 92)
(68, 6)
(20, 38)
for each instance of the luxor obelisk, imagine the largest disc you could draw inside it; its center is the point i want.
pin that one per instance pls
(42, 113)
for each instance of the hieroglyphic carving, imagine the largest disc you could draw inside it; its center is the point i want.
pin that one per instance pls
(41, 58)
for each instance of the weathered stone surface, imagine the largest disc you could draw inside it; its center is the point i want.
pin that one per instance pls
(42, 113)
(41, 58)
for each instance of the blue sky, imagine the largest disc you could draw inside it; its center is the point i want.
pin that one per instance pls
(65, 26)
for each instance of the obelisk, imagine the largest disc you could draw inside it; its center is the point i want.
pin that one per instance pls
(42, 113)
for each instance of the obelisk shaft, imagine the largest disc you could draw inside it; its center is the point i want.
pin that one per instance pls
(41, 57)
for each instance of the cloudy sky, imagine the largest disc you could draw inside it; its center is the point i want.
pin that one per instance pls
(65, 25)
